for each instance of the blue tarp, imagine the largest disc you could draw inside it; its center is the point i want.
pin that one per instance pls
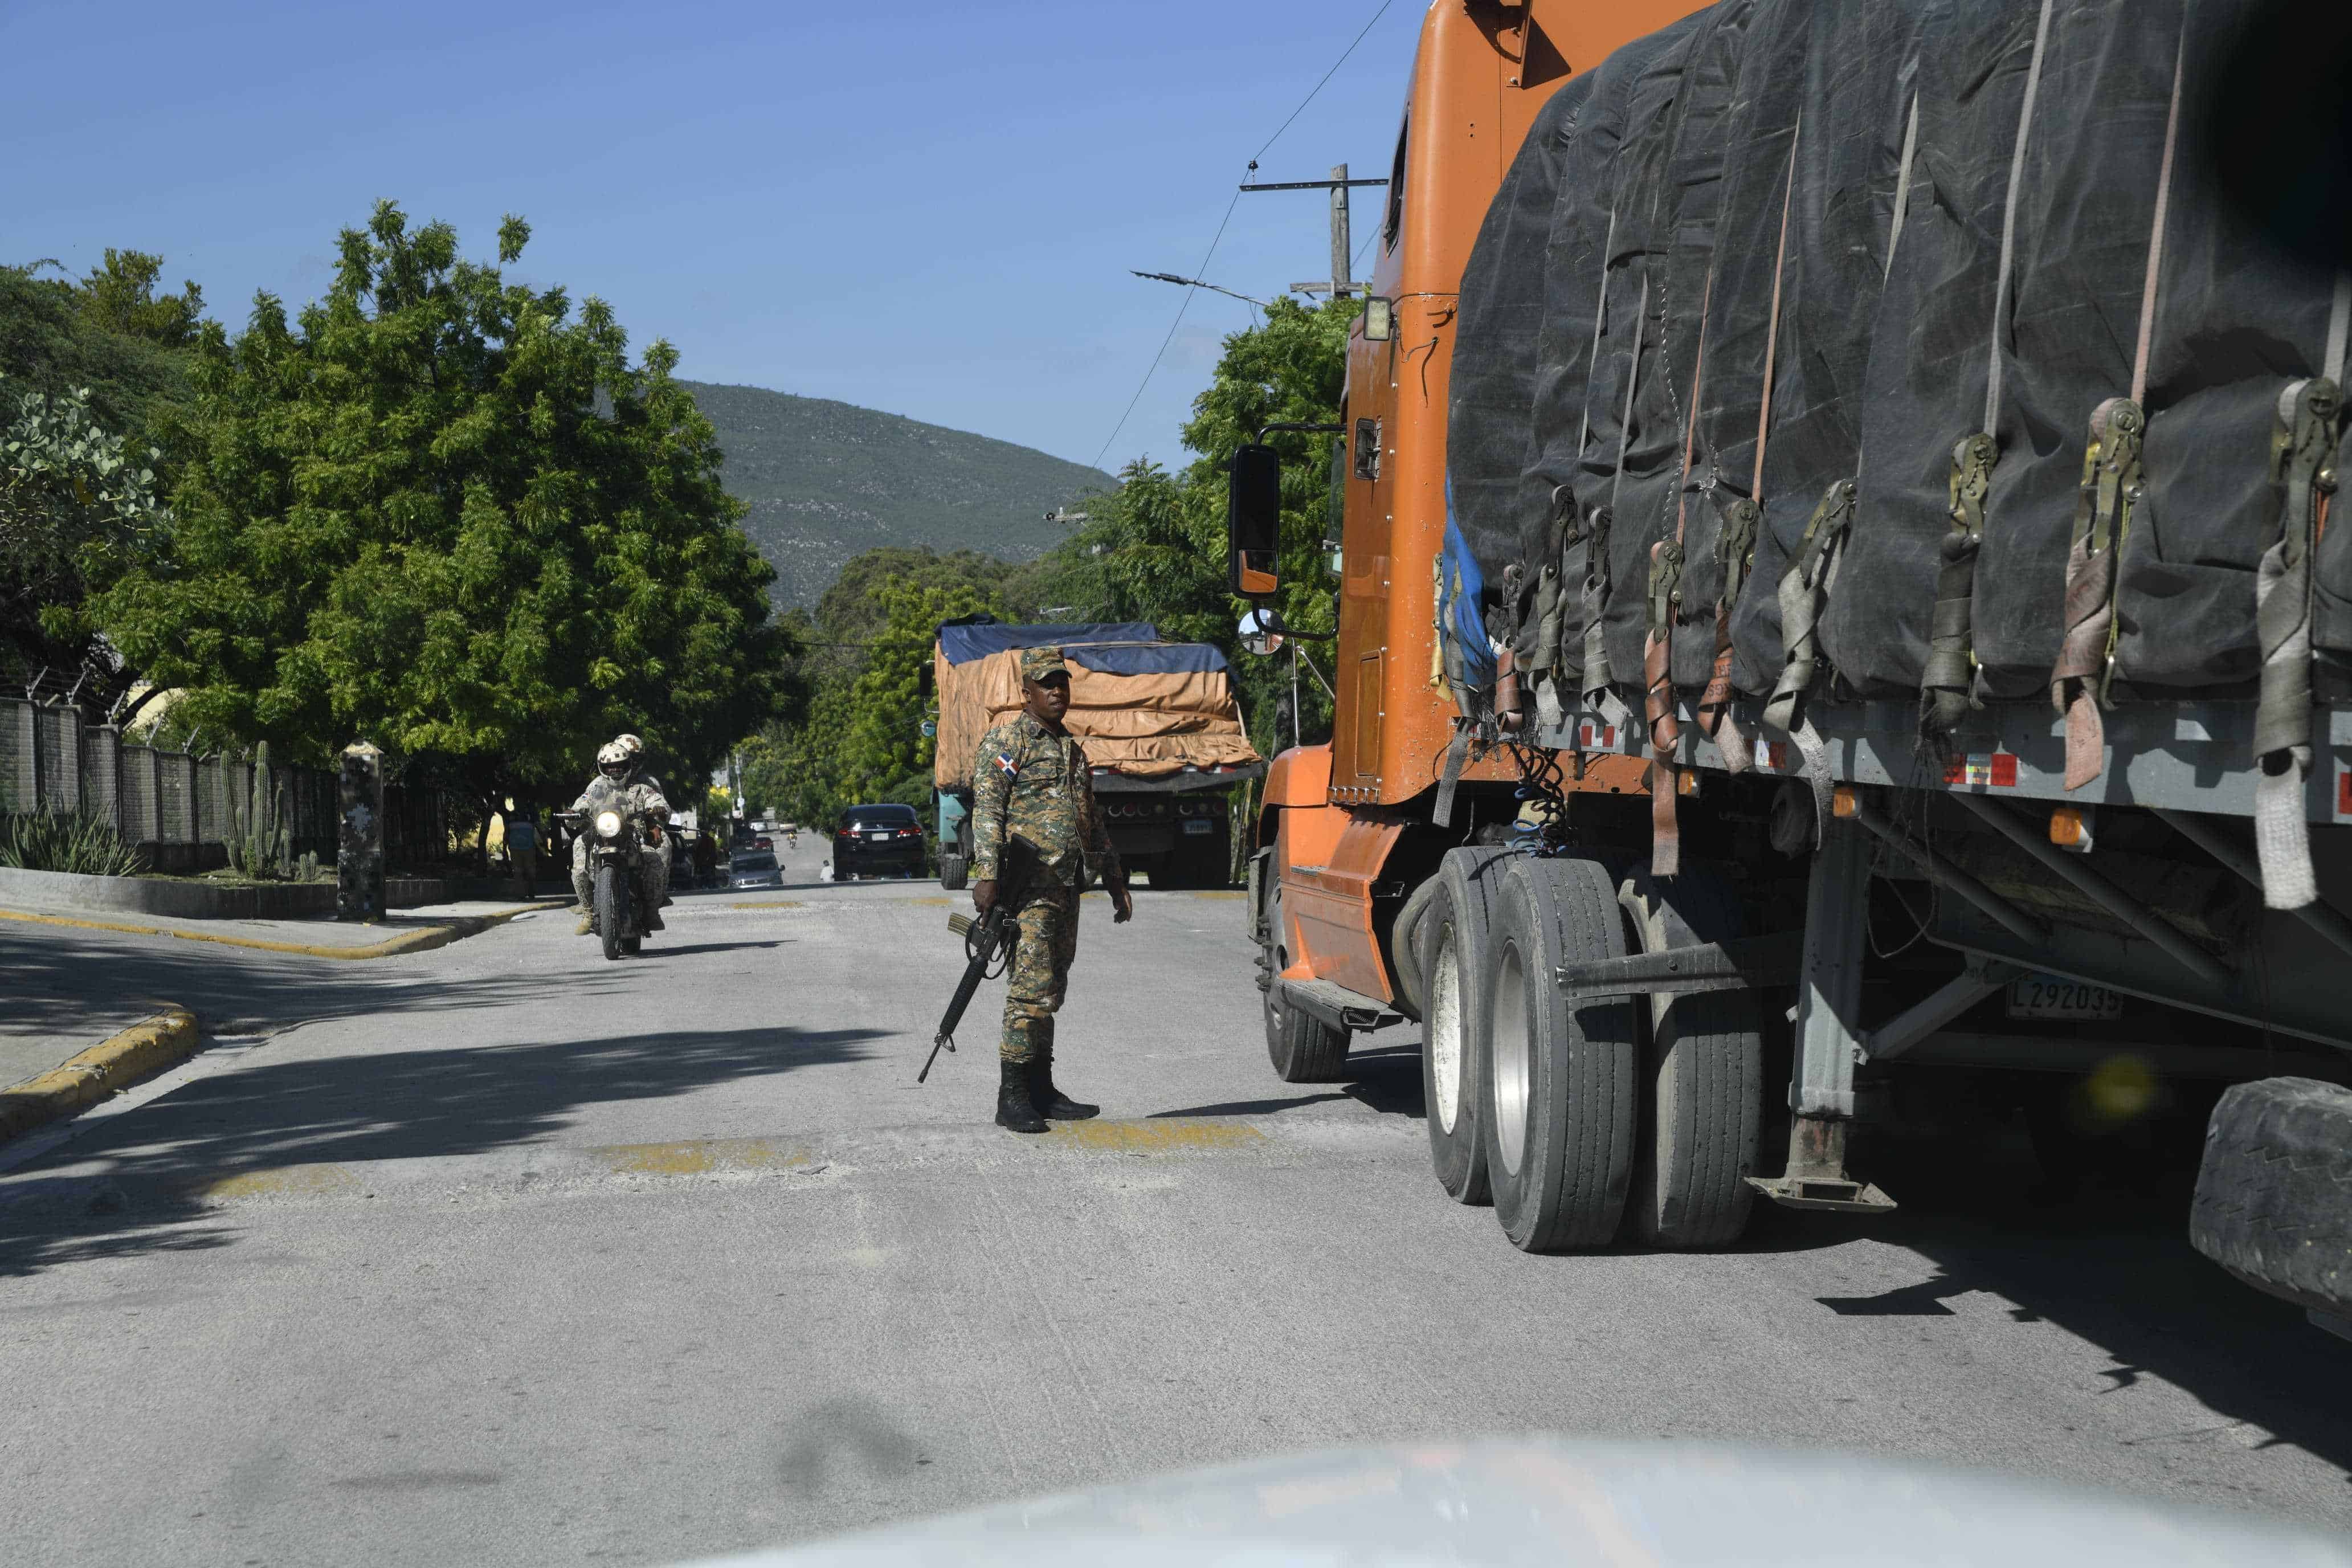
(1152, 658)
(965, 642)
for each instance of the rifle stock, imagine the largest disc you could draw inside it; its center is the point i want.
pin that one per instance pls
(986, 939)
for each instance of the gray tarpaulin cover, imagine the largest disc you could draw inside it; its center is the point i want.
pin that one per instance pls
(1656, 183)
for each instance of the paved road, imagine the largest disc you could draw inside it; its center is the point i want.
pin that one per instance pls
(503, 1254)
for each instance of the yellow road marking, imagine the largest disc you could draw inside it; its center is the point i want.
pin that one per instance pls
(699, 1156)
(285, 1182)
(1159, 1135)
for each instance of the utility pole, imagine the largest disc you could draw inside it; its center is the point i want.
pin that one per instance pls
(1338, 286)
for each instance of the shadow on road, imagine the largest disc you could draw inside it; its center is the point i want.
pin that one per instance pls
(662, 952)
(380, 1105)
(51, 984)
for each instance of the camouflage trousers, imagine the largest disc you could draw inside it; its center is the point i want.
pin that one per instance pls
(652, 876)
(1039, 970)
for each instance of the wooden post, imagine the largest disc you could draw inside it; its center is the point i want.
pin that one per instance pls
(358, 857)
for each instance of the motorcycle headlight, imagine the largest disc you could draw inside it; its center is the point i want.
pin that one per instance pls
(608, 824)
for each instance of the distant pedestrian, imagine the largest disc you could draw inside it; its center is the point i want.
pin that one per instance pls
(1031, 778)
(522, 851)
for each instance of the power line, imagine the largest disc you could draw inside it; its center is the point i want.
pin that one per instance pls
(1184, 304)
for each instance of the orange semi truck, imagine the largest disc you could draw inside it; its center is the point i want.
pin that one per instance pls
(1748, 677)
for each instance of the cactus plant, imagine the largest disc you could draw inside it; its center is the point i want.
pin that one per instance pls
(261, 841)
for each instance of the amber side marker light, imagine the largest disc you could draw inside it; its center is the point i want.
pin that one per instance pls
(1844, 802)
(2071, 828)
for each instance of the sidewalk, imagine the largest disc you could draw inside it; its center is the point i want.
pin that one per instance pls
(56, 1021)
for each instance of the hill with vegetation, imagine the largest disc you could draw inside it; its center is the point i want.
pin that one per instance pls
(826, 480)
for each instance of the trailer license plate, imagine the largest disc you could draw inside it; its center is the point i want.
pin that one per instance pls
(1200, 825)
(2049, 996)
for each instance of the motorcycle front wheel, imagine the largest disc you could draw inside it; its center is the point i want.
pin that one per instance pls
(608, 909)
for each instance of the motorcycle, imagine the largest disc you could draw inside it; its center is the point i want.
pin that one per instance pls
(618, 844)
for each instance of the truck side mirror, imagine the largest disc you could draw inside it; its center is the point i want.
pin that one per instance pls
(1254, 521)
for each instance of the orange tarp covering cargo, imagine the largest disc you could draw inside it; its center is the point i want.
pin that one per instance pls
(1144, 706)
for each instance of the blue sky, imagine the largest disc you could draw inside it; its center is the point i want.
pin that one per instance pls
(925, 208)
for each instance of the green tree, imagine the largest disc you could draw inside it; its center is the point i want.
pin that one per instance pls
(76, 506)
(1155, 550)
(93, 385)
(861, 740)
(444, 512)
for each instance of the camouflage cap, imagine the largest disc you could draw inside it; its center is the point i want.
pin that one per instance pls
(1038, 663)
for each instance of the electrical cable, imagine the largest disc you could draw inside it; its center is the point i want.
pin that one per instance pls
(1184, 304)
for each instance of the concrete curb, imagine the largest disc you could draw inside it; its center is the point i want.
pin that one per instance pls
(455, 929)
(104, 1070)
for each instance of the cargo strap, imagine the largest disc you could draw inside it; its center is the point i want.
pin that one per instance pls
(1600, 319)
(1666, 607)
(1542, 662)
(1735, 542)
(1948, 680)
(2112, 487)
(1802, 589)
(1597, 681)
(2303, 466)
(2009, 213)
(1902, 188)
(2103, 509)
(1946, 684)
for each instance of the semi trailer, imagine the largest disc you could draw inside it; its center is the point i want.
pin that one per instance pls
(1836, 594)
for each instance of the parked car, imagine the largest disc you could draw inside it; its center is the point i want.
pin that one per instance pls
(764, 842)
(753, 868)
(878, 840)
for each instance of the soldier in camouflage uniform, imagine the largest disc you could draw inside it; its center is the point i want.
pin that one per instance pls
(619, 786)
(1031, 778)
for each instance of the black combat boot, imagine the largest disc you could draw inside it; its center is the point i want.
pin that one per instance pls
(1014, 1111)
(1051, 1103)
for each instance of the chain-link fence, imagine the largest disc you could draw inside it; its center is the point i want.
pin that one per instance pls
(180, 808)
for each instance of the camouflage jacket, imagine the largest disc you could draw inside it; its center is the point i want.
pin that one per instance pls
(637, 793)
(1028, 780)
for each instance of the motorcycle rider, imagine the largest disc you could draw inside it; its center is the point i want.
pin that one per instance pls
(620, 786)
(639, 776)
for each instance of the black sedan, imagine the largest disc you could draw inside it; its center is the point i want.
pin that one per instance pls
(877, 841)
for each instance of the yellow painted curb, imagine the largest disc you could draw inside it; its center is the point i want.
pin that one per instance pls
(455, 929)
(104, 1070)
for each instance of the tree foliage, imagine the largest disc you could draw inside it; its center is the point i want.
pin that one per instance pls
(1155, 549)
(76, 506)
(861, 740)
(93, 385)
(444, 512)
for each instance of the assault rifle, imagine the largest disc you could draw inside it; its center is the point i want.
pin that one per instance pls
(988, 941)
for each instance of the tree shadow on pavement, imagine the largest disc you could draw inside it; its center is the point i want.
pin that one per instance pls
(382, 1105)
(53, 986)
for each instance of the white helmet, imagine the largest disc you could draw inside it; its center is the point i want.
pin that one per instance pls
(613, 756)
(629, 744)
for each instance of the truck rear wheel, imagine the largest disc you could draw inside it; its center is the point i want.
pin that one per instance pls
(954, 873)
(1454, 935)
(1703, 1069)
(1302, 1047)
(1563, 1079)
(2273, 1201)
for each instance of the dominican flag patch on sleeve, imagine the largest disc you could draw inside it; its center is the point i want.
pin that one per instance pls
(1004, 761)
